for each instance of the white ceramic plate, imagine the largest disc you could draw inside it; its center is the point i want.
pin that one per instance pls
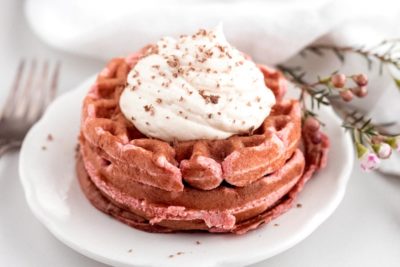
(47, 169)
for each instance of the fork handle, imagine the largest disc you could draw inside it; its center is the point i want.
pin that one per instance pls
(6, 146)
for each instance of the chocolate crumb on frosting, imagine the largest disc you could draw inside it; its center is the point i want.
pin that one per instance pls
(149, 108)
(209, 98)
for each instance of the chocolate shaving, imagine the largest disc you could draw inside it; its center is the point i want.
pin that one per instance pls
(136, 74)
(173, 62)
(209, 98)
(149, 108)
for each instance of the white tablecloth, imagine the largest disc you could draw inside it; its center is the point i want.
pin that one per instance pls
(364, 231)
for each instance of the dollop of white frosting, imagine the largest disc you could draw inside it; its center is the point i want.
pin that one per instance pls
(195, 87)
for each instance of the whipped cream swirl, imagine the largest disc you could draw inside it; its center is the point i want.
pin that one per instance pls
(195, 87)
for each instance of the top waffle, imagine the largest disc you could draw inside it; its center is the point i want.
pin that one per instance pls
(203, 164)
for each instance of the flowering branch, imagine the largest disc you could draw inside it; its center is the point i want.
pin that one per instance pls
(370, 141)
(384, 52)
(324, 89)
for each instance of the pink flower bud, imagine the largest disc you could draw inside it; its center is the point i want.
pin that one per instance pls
(377, 139)
(360, 91)
(346, 95)
(393, 142)
(311, 124)
(338, 80)
(384, 151)
(369, 161)
(360, 79)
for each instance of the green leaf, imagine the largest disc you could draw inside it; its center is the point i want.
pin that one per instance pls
(397, 82)
(366, 124)
(316, 50)
(369, 62)
(339, 55)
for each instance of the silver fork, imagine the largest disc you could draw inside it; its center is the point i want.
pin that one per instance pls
(33, 89)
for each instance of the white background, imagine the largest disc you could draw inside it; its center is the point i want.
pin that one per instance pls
(364, 231)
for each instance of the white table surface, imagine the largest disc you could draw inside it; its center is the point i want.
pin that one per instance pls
(364, 230)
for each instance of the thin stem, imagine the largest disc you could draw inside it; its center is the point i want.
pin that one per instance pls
(385, 57)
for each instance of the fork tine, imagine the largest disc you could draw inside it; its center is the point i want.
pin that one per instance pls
(10, 100)
(38, 94)
(51, 87)
(54, 83)
(23, 100)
